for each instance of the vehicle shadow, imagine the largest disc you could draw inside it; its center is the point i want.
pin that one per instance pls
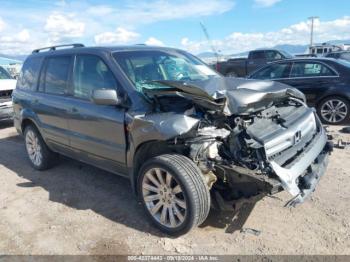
(231, 221)
(84, 187)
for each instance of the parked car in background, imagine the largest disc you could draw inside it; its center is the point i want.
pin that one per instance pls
(7, 85)
(241, 67)
(177, 129)
(324, 81)
(345, 55)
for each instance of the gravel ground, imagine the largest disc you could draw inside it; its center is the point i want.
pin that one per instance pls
(78, 209)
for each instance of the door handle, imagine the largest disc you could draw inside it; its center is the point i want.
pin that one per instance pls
(74, 110)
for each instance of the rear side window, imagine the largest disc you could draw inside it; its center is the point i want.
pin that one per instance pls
(28, 77)
(257, 55)
(56, 75)
(273, 55)
(90, 73)
(310, 70)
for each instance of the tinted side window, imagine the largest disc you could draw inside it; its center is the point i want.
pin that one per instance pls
(56, 76)
(28, 77)
(90, 73)
(273, 72)
(310, 70)
(257, 55)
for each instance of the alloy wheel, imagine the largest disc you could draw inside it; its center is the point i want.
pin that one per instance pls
(164, 197)
(33, 148)
(334, 110)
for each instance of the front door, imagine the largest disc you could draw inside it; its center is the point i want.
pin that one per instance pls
(96, 131)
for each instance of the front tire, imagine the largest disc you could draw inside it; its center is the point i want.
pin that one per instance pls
(40, 156)
(173, 193)
(334, 110)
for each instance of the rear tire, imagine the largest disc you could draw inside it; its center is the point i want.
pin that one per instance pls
(173, 193)
(334, 110)
(40, 156)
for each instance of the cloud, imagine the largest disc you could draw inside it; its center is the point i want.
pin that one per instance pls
(266, 3)
(9, 44)
(154, 41)
(120, 36)
(61, 3)
(296, 34)
(2, 24)
(99, 10)
(145, 12)
(63, 26)
(63, 21)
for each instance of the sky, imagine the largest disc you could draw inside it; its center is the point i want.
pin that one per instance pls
(233, 25)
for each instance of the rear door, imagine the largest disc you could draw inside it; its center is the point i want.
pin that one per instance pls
(96, 131)
(312, 78)
(50, 102)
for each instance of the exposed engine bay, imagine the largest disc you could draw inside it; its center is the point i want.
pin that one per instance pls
(264, 143)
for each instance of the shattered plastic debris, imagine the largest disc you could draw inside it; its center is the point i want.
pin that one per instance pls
(251, 231)
(345, 130)
(342, 145)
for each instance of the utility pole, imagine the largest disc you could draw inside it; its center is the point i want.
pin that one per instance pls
(312, 18)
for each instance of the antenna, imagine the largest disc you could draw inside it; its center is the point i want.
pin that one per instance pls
(205, 31)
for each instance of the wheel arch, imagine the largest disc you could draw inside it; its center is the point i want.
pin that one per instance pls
(26, 122)
(324, 97)
(146, 151)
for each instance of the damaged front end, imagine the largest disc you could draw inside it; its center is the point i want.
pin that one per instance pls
(247, 142)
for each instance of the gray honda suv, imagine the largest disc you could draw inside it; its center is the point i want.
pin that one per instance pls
(186, 137)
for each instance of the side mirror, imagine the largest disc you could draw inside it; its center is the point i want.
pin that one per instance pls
(105, 97)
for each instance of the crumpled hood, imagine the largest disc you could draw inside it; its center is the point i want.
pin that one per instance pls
(229, 95)
(7, 84)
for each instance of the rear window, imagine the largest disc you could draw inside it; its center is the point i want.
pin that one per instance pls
(28, 77)
(56, 75)
(257, 55)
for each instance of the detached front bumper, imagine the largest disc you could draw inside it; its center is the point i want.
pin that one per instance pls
(301, 176)
(309, 181)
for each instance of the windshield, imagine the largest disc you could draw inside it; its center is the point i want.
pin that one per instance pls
(4, 74)
(143, 67)
(344, 62)
(286, 54)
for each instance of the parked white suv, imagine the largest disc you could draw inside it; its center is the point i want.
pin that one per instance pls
(7, 85)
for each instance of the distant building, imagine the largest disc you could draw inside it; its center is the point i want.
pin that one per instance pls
(325, 48)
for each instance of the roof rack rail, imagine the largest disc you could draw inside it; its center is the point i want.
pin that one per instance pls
(53, 48)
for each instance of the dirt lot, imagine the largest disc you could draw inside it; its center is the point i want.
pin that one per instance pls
(77, 209)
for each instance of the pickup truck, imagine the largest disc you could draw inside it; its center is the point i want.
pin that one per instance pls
(241, 67)
(7, 85)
